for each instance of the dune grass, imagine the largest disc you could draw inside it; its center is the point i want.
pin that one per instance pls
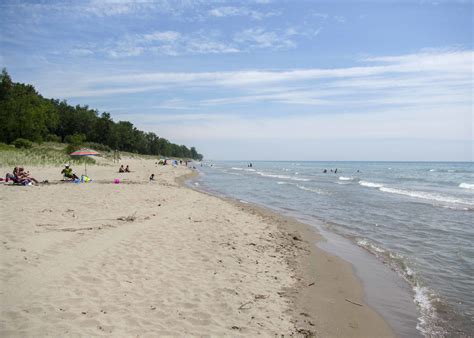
(51, 153)
(39, 155)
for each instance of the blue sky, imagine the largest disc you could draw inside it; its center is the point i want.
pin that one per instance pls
(281, 80)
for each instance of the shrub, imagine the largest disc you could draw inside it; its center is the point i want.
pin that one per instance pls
(53, 138)
(22, 143)
(76, 139)
(97, 146)
(5, 147)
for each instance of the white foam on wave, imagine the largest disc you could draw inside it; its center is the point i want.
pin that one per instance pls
(234, 168)
(370, 184)
(250, 169)
(432, 170)
(231, 173)
(317, 191)
(423, 297)
(426, 196)
(342, 178)
(427, 311)
(284, 177)
(196, 184)
(370, 246)
(466, 185)
(281, 182)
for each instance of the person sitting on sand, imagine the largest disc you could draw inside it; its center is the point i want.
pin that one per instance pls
(13, 177)
(67, 172)
(24, 177)
(127, 170)
(121, 169)
(152, 177)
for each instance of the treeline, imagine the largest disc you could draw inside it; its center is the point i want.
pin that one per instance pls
(25, 114)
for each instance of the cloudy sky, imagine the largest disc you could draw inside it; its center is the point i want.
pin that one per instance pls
(262, 79)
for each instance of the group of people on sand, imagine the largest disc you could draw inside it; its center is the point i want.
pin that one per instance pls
(124, 170)
(20, 176)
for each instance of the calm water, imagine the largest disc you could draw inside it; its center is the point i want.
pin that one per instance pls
(415, 217)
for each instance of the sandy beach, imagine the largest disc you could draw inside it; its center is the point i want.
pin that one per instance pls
(157, 258)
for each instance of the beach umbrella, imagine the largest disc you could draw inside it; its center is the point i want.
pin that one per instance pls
(84, 152)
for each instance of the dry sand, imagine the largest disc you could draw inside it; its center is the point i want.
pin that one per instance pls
(156, 258)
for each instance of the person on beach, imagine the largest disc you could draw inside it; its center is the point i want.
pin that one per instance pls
(67, 172)
(152, 177)
(121, 169)
(325, 171)
(127, 169)
(13, 177)
(335, 171)
(24, 177)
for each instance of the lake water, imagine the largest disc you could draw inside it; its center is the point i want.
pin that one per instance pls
(416, 218)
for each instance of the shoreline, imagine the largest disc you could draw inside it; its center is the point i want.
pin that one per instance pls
(175, 261)
(307, 296)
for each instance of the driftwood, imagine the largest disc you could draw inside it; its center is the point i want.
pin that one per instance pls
(241, 307)
(350, 301)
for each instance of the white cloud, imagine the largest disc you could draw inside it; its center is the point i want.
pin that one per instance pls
(116, 7)
(165, 36)
(381, 124)
(229, 11)
(456, 64)
(81, 52)
(201, 42)
(319, 15)
(260, 38)
(434, 89)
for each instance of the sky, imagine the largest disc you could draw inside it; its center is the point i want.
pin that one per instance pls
(260, 80)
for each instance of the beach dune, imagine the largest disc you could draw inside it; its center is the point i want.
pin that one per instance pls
(144, 258)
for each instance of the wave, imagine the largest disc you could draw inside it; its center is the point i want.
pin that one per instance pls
(342, 178)
(250, 169)
(369, 246)
(370, 184)
(285, 177)
(234, 168)
(426, 196)
(423, 297)
(231, 173)
(317, 191)
(466, 185)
